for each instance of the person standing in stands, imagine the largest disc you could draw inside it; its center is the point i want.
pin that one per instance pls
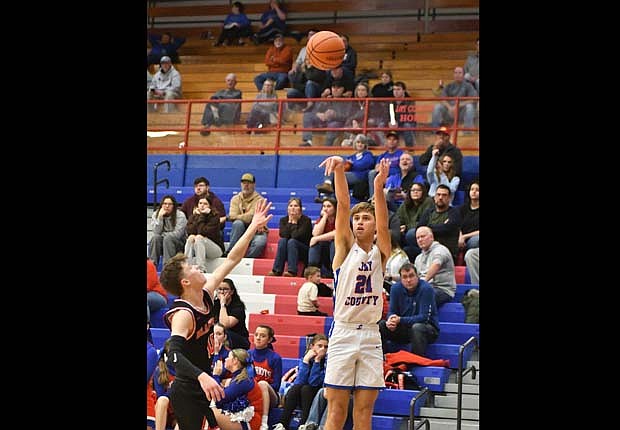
(190, 320)
(240, 212)
(355, 353)
(412, 317)
(201, 189)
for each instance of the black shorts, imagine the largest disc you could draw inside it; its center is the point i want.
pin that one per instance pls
(190, 404)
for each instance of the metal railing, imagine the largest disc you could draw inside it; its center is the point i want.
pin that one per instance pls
(156, 181)
(461, 373)
(423, 392)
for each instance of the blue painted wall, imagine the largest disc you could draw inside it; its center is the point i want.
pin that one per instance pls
(270, 170)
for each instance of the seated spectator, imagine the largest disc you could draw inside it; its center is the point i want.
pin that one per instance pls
(443, 219)
(397, 185)
(229, 310)
(360, 163)
(204, 237)
(164, 45)
(272, 21)
(201, 189)
(307, 383)
(332, 114)
(317, 417)
(307, 83)
(307, 296)
(435, 266)
(236, 26)
(472, 262)
(168, 224)
(264, 113)
(440, 170)
(342, 75)
(445, 147)
(358, 115)
(156, 297)
(163, 377)
(469, 236)
(300, 61)
(279, 60)
(349, 61)
(218, 346)
(223, 113)
(241, 407)
(385, 87)
(404, 112)
(444, 111)
(267, 370)
(166, 85)
(293, 245)
(412, 317)
(472, 68)
(416, 202)
(149, 78)
(322, 249)
(240, 213)
(397, 258)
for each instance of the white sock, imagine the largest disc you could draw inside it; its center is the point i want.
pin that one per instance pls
(265, 419)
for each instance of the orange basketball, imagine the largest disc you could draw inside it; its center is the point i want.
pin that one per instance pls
(325, 50)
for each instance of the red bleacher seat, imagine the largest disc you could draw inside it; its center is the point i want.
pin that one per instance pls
(459, 274)
(292, 325)
(287, 304)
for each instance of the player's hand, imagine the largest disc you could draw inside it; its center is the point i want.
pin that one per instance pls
(331, 163)
(211, 388)
(260, 218)
(383, 171)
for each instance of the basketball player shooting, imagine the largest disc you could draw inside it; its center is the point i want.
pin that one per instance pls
(355, 354)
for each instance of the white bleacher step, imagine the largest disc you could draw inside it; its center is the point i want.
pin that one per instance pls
(439, 424)
(470, 401)
(451, 387)
(243, 268)
(467, 414)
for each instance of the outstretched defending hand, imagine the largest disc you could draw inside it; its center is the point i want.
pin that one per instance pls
(331, 163)
(260, 218)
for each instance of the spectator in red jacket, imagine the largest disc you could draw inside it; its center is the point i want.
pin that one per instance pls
(156, 297)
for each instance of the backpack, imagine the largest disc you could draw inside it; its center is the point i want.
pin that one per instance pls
(398, 379)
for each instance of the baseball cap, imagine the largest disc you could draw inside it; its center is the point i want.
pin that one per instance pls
(248, 177)
(391, 133)
(279, 36)
(165, 59)
(443, 130)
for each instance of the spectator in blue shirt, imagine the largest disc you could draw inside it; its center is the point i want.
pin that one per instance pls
(236, 26)
(271, 22)
(412, 317)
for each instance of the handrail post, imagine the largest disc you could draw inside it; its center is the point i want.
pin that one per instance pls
(414, 400)
(156, 182)
(459, 375)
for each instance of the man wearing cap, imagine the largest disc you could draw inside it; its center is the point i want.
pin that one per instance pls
(240, 213)
(445, 148)
(443, 112)
(279, 60)
(166, 84)
(392, 153)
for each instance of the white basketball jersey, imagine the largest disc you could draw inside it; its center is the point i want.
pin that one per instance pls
(358, 287)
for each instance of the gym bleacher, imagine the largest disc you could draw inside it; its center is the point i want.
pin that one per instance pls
(420, 42)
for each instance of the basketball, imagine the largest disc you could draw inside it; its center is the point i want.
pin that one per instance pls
(325, 50)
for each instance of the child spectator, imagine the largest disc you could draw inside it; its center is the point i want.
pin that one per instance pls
(267, 370)
(307, 296)
(309, 380)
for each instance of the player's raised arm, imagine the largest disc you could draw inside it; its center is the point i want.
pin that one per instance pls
(381, 211)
